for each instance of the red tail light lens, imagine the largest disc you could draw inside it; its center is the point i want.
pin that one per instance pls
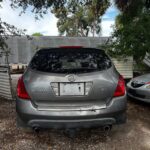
(120, 89)
(21, 90)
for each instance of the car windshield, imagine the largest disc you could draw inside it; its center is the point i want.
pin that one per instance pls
(66, 60)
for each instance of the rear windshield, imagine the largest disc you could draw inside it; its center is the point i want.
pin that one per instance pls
(66, 60)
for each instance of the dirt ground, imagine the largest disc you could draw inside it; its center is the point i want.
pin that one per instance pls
(134, 135)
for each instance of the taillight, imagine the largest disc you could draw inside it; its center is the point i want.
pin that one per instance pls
(120, 89)
(21, 90)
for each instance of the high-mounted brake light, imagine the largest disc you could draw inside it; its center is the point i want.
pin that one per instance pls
(71, 46)
(120, 89)
(21, 90)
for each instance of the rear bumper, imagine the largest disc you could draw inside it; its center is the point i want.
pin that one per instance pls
(59, 124)
(114, 113)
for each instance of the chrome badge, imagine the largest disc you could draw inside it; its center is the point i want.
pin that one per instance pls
(71, 78)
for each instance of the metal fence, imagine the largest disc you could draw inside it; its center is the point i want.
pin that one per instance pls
(22, 50)
(5, 83)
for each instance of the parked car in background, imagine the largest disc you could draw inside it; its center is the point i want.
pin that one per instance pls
(139, 88)
(71, 87)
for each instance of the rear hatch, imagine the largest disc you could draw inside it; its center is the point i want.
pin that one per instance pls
(70, 77)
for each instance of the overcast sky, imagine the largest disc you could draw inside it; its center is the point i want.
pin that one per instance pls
(47, 25)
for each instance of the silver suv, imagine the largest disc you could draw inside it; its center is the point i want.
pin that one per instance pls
(70, 87)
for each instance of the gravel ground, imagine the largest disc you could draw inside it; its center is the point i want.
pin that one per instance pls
(134, 135)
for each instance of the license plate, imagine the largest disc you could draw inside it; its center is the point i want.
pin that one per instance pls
(72, 89)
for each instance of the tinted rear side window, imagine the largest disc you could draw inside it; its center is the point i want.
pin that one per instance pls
(67, 60)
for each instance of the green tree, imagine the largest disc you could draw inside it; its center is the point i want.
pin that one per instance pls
(132, 29)
(37, 34)
(79, 18)
(39, 8)
(76, 17)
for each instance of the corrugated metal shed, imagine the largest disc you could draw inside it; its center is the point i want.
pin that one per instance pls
(5, 84)
(146, 59)
(124, 66)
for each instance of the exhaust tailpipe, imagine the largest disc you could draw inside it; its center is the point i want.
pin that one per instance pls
(36, 129)
(107, 128)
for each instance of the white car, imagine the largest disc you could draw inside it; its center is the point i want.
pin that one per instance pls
(139, 88)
